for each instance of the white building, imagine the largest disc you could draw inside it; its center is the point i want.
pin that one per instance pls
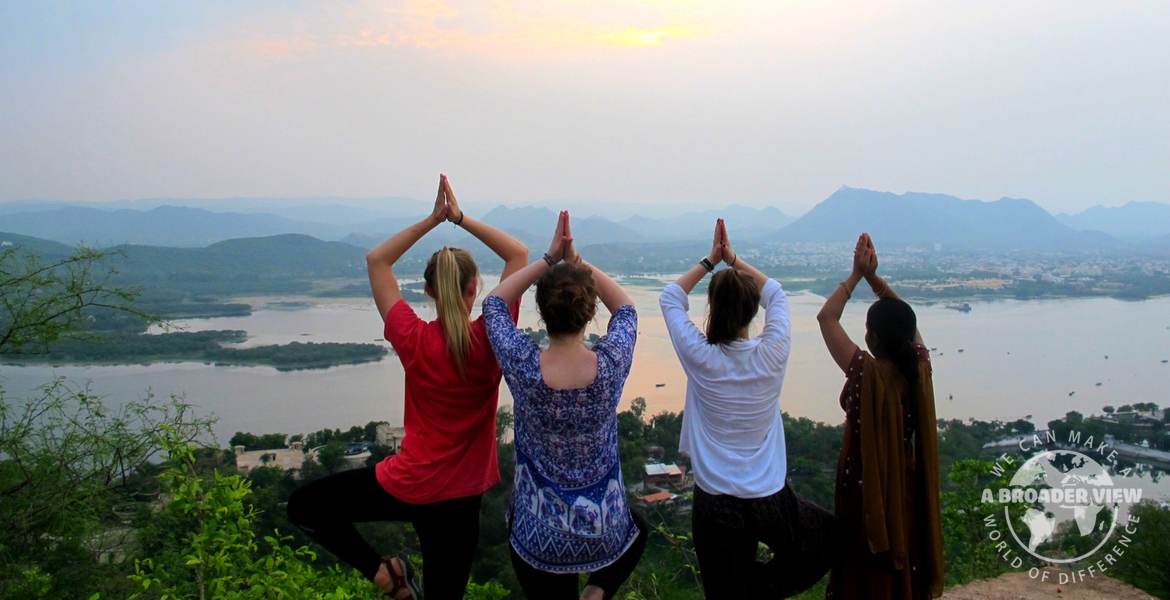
(287, 459)
(390, 437)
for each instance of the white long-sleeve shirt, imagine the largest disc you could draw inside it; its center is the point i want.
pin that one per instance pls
(731, 425)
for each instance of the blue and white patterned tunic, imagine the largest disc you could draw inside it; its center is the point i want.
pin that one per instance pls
(569, 512)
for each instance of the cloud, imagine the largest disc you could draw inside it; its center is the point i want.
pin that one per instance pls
(502, 29)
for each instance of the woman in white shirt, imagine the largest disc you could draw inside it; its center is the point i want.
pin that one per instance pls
(734, 435)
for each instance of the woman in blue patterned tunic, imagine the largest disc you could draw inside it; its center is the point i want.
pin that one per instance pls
(569, 512)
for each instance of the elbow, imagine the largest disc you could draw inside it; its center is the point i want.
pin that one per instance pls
(521, 252)
(371, 258)
(824, 317)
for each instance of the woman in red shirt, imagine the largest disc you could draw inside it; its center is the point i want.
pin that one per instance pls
(448, 456)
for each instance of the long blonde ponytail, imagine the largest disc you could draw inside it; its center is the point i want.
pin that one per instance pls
(448, 274)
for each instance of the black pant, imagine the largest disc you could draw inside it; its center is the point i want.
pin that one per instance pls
(542, 585)
(448, 531)
(728, 531)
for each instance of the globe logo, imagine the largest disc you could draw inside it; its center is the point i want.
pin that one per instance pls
(1061, 492)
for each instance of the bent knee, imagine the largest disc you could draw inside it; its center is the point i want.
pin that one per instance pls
(300, 509)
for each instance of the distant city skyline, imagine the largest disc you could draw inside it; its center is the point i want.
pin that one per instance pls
(651, 105)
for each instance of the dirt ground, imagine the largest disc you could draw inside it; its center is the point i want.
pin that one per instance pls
(1012, 586)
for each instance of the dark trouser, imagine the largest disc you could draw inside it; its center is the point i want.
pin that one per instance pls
(448, 531)
(727, 533)
(542, 585)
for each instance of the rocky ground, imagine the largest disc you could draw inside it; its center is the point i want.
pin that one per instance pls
(1012, 586)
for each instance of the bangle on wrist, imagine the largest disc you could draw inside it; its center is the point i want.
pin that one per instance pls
(848, 290)
(460, 221)
(552, 262)
(734, 259)
(706, 262)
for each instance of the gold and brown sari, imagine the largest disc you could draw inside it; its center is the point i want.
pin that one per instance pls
(887, 485)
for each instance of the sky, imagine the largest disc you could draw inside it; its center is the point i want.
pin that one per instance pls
(656, 104)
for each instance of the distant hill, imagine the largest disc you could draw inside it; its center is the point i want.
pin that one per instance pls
(1136, 221)
(743, 223)
(45, 249)
(328, 210)
(535, 225)
(926, 219)
(164, 225)
(288, 262)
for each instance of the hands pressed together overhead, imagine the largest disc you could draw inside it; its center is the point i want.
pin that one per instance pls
(561, 247)
(721, 246)
(446, 206)
(865, 261)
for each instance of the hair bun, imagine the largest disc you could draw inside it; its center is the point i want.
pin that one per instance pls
(566, 297)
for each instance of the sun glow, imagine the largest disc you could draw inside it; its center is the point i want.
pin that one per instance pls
(644, 37)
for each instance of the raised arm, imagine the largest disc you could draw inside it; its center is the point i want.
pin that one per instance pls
(612, 295)
(840, 346)
(880, 288)
(692, 277)
(735, 262)
(511, 250)
(380, 261)
(511, 288)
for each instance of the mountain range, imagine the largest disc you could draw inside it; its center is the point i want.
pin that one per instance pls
(1134, 221)
(911, 218)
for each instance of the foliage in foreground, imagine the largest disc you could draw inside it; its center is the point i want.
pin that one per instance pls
(222, 557)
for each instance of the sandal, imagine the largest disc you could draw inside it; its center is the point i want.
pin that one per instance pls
(405, 581)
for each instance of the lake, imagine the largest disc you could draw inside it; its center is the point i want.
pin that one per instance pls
(1003, 360)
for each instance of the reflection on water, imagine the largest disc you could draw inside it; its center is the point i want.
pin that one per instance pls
(1003, 360)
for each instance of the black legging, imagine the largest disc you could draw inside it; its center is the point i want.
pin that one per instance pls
(448, 531)
(542, 585)
(728, 530)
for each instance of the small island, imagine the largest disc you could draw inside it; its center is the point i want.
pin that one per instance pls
(123, 348)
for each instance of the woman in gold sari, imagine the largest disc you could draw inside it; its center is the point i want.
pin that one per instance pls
(887, 473)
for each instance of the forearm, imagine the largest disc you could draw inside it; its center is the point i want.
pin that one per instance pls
(512, 288)
(880, 288)
(691, 278)
(504, 245)
(611, 294)
(746, 268)
(835, 304)
(389, 251)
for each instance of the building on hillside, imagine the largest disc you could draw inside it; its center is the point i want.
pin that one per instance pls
(287, 459)
(665, 501)
(658, 499)
(658, 475)
(390, 437)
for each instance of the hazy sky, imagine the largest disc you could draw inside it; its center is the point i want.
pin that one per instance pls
(657, 103)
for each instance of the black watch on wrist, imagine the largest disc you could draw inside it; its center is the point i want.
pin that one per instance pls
(706, 262)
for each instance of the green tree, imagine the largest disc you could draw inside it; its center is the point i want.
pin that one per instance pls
(505, 421)
(1145, 563)
(968, 554)
(218, 554)
(43, 302)
(331, 456)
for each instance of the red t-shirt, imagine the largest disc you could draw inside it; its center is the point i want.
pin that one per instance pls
(449, 450)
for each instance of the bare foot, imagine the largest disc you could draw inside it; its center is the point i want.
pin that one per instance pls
(385, 581)
(592, 592)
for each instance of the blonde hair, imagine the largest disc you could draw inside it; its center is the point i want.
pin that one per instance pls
(448, 273)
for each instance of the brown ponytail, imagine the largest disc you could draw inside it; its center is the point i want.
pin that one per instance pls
(448, 273)
(733, 300)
